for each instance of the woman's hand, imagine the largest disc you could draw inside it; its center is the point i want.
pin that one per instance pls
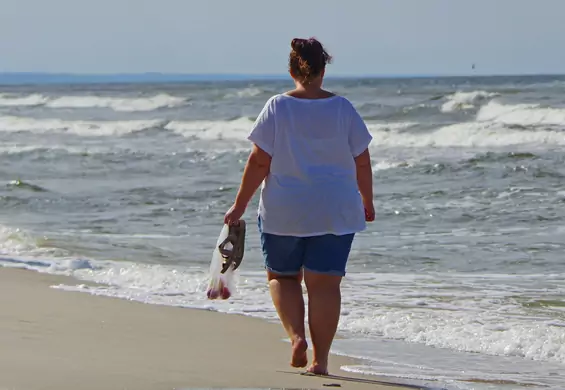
(234, 214)
(369, 212)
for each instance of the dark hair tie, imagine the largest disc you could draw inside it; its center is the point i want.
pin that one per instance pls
(298, 43)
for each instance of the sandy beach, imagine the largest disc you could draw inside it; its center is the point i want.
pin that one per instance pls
(51, 339)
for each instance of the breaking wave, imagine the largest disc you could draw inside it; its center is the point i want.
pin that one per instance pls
(245, 93)
(236, 129)
(466, 100)
(119, 104)
(82, 128)
(525, 115)
(470, 134)
(496, 125)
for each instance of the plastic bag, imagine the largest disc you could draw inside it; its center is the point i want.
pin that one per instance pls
(220, 285)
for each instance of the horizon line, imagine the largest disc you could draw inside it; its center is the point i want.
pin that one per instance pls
(18, 78)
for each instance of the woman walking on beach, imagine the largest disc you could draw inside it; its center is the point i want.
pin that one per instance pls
(310, 149)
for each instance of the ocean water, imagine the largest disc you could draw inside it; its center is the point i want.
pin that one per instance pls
(459, 283)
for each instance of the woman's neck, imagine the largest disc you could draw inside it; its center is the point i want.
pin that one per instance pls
(309, 91)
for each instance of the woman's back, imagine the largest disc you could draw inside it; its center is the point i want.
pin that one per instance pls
(312, 186)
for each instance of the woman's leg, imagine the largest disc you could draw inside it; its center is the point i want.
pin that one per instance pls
(325, 259)
(283, 261)
(286, 292)
(324, 307)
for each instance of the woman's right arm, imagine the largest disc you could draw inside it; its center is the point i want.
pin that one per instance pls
(359, 140)
(365, 183)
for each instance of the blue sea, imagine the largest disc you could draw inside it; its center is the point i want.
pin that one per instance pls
(458, 284)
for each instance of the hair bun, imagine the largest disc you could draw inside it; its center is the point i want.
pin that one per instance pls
(308, 58)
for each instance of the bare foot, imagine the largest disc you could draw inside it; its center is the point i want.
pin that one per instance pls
(318, 369)
(299, 356)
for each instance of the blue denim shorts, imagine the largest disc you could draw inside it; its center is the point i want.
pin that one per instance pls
(287, 255)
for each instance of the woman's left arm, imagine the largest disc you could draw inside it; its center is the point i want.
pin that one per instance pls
(256, 170)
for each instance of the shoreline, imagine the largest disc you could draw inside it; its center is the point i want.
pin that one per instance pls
(54, 339)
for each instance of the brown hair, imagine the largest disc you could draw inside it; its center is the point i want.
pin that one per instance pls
(307, 59)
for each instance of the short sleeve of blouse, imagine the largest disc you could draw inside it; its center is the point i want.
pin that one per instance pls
(359, 136)
(263, 131)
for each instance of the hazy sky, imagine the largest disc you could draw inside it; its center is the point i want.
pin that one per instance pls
(252, 36)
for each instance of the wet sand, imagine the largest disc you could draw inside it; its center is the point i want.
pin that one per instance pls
(52, 339)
